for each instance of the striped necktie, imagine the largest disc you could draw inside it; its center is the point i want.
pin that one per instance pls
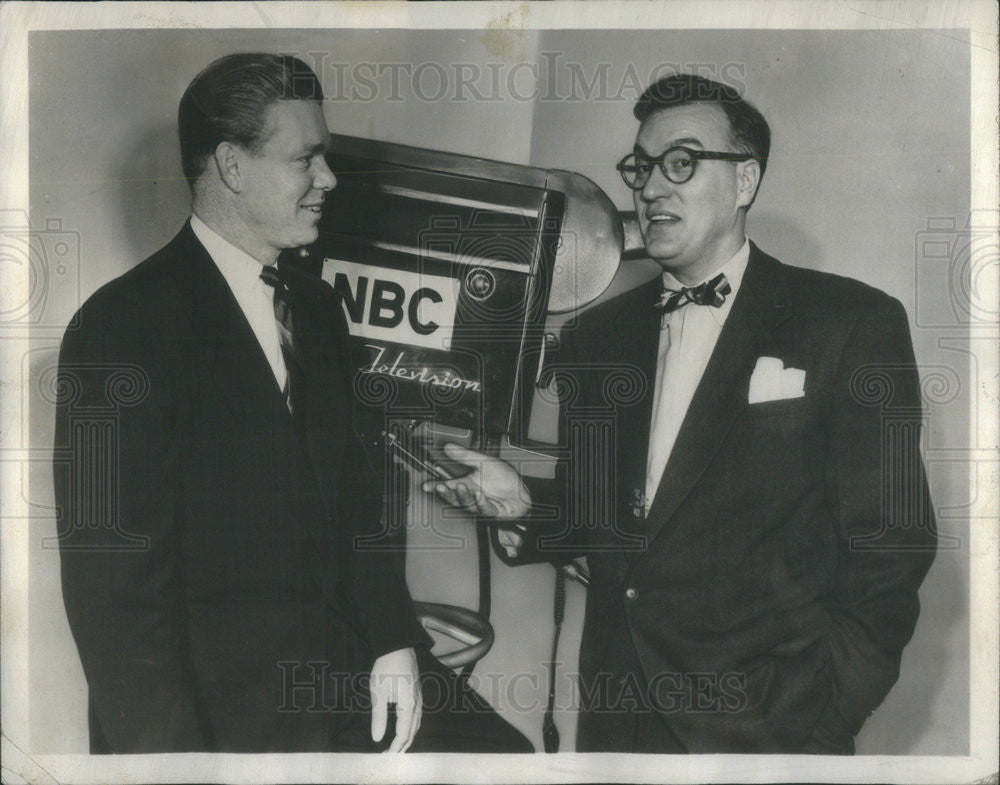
(283, 319)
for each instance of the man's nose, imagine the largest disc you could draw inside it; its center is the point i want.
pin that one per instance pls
(656, 186)
(324, 179)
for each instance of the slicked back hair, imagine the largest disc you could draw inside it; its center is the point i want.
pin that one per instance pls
(228, 102)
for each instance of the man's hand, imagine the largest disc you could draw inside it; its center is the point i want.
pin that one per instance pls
(493, 489)
(395, 679)
(511, 540)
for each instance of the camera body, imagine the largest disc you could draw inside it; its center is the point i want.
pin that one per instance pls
(444, 273)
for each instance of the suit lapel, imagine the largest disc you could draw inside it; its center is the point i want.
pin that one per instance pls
(224, 335)
(629, 346)
(638, 337)
(760, 306)
(218, 319)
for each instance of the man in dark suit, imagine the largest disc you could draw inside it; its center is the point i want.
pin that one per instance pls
(211, 510)
(742, 471)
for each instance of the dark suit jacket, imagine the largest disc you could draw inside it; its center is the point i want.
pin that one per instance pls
(209, 566)
(763, 604)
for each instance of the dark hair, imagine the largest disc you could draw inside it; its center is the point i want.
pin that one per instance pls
(748, 130)
(228, 102)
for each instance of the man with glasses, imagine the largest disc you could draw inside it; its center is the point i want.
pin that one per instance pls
(756, 516)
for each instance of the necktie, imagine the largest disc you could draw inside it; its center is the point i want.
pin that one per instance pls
(711, 292)
(283, 319)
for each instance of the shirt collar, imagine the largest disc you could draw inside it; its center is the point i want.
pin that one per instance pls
(733, 270)
(234, 263)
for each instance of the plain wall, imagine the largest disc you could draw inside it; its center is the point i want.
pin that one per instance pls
(870, 142)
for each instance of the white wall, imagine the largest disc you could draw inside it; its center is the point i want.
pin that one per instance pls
(870, 141)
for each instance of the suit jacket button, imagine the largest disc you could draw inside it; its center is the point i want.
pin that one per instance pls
(631, 593)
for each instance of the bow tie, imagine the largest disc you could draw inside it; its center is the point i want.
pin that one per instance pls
(709, 293)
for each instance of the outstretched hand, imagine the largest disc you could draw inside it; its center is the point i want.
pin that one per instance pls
(493, 489)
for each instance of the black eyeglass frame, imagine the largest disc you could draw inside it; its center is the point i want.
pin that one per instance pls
(660, 160)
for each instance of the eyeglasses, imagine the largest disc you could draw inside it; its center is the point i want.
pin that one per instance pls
(677, 164)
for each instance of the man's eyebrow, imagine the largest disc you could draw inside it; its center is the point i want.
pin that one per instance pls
(683, 141)
(313, 149)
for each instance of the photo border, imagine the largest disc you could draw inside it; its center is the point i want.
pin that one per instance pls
(977, 19)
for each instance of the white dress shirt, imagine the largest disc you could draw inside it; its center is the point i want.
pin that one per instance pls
(687, 340)
(255, 298)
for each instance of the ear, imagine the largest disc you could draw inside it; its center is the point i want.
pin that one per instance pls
(228, 160)
(748, 173)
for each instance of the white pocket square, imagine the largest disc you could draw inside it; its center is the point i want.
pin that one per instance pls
(772, 381)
